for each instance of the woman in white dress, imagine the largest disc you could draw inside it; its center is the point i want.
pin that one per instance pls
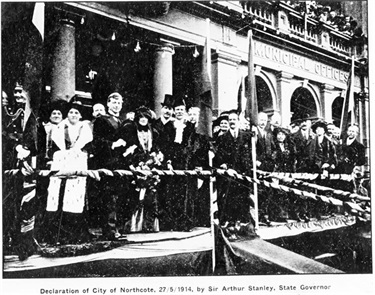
(66, 195)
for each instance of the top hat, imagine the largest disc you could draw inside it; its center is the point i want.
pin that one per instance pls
(168, 101)
(319, 123)
(179, 101)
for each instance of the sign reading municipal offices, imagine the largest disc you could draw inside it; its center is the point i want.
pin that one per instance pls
(299, 62)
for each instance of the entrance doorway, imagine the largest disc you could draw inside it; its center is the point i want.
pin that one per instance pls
(302, 103)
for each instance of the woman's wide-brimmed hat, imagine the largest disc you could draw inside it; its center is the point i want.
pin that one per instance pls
(73, 104)
(319, 123)
(143, 111)
(277, 130)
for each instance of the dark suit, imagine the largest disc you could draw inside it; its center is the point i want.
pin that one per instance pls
(164, 137)
(236, 153)
(105, 132)
(177, 152)
(112, 189)
(234, 196)
(175, 202)
(265, 146)
(305, 148)
(350, 156)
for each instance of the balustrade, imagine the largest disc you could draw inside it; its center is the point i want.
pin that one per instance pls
(296, 24)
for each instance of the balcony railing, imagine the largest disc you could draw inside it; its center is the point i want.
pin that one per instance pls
(283, 18)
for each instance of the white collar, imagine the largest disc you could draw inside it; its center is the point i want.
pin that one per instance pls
(349, 141)
(164, 120)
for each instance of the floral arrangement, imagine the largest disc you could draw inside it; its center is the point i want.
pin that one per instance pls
(148, 181)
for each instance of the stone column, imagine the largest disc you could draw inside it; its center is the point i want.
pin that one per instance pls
(63, 84)
(284, 96)
(326, 100)
(163, 75)
(224, 81)
(364, 124)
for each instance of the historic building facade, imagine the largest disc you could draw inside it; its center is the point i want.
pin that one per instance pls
(147, 50)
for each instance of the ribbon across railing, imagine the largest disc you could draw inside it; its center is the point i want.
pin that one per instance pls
(97, 174)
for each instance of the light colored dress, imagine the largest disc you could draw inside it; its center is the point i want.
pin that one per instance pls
(70, 139)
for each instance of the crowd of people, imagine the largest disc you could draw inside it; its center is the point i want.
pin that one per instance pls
(64, 208)
(329, 14)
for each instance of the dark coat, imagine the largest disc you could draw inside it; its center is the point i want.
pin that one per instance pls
(305, 149)
(350, 156)
(164, 137)
(129, 133)
(285, 160)
(324, 153)
(105, 132)
(265, 146)
(236, 153)
(177, 153)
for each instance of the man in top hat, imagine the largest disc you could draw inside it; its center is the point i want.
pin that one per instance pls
(303, 139)
(166, 113)
(177, 134)
(166, 116)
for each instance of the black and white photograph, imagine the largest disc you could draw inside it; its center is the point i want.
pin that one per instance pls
(198, 147)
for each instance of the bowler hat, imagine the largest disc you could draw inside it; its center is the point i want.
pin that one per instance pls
(298, 118)
(168, 101)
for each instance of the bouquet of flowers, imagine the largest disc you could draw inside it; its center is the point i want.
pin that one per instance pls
(148, 180)
(145, 217)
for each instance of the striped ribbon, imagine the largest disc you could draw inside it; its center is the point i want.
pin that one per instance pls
(96, 174)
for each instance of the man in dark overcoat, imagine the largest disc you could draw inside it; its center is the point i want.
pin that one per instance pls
(233, 151)
(265, 145)
(350, 152)
(176, 137)
(304, 141)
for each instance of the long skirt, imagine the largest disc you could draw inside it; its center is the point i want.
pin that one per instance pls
(64, 219)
